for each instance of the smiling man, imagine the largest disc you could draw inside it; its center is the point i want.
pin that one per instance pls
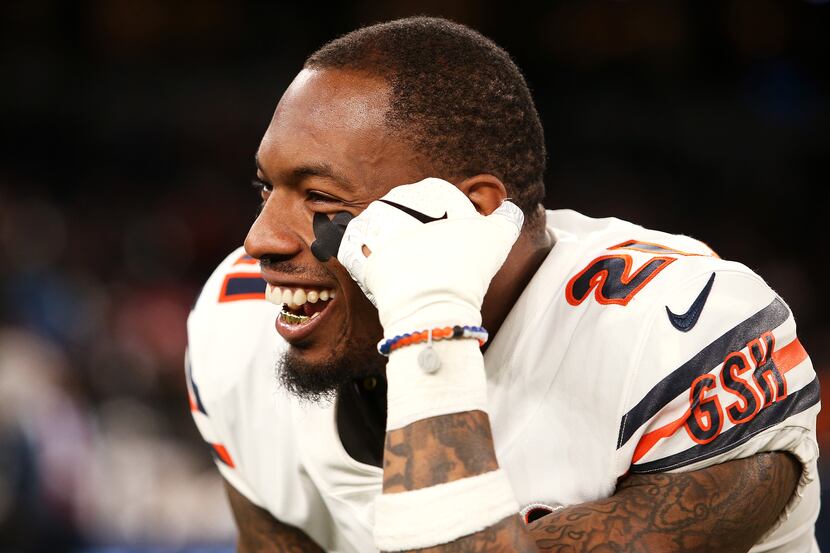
(411, 354)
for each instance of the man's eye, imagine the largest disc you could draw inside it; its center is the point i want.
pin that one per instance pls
(318, 197)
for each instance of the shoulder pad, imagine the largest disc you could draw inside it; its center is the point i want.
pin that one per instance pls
(230, 325)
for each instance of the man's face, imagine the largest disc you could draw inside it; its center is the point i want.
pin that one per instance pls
(326, 151)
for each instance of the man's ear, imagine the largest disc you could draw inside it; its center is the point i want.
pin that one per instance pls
(486, 191)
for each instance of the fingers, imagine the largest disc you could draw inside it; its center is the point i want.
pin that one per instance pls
(350, 253)
(508, 215)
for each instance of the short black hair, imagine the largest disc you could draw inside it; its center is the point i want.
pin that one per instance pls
(457, 98)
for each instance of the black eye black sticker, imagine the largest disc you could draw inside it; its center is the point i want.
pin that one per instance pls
(328, 234)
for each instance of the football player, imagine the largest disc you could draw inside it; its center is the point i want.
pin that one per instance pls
(455, 369)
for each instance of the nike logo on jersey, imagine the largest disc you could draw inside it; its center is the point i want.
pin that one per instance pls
(424, 218)
(687, 320)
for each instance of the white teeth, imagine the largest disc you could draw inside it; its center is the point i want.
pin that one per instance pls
(273, 294)
(296, 297)
(299, 297)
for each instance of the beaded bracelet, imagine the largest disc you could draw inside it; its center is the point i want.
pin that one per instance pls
(446, 333)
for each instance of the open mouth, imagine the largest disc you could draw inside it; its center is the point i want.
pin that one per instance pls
(299, 305)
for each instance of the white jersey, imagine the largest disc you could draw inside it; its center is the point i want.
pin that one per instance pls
(630, 351)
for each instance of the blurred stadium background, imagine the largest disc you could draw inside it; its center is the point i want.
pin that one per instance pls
(128, 134)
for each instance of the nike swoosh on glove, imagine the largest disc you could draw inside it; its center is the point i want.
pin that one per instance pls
(422, 275)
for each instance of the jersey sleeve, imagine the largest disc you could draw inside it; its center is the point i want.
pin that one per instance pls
(721, 374)
(219, 441)
(219, 348)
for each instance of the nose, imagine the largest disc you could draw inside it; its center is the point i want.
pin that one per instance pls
(270, 235)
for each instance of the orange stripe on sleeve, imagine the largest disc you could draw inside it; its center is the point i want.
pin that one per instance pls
(789, 356)
(785, 359)
(223, 454)
(192, 401)
(650, 439)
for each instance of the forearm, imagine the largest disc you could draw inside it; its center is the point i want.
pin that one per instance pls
(275, 538)
(725, 508)
(443, 449)
(259, 532)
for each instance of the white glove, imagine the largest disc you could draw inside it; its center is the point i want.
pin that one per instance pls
(432, 259)
(432, 255)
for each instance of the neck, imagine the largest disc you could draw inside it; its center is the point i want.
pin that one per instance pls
(524, 260)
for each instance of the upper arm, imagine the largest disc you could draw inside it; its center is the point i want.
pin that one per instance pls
(737, 383)
(259, 532)
(726, 507)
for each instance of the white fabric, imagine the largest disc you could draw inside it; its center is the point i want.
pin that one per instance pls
(560, 377)
(419, 275)
(233, 349)
(442, 513)
(459, 385)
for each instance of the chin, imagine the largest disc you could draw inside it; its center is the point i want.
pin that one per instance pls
(316, 377)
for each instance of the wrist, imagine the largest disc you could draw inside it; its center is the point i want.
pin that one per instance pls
(387, 346)
(439, 314)
(459, 385)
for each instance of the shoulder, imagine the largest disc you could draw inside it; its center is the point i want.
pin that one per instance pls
(235, 279)
(705, 352)
(623, 271)
(624, 282)
(230, 325)
(234, 398)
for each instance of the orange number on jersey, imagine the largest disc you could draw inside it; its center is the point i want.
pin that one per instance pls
(610, 276)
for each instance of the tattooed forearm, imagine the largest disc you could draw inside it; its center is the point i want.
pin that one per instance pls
(259, 532)
(506, 536)
(442, 449)
(726, 508)
(438, 450)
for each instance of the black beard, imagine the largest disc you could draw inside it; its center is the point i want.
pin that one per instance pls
(318, 382)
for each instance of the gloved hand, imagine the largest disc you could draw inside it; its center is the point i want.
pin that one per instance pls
(432, 255)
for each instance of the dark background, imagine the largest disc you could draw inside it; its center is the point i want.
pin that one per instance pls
(128, 134)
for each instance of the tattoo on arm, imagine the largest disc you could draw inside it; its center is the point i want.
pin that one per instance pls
(438, 450)
(506, 536)
(442, 449)
(259, 532)
(725, 507)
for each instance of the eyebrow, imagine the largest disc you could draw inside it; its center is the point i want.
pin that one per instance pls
(317, 169)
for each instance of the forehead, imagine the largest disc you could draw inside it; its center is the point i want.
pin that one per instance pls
(345, 100)
(336, 118)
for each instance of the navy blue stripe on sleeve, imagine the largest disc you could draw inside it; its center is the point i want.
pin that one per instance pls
(188, 371)
(242, 286)
(773, 414)
(704, 361)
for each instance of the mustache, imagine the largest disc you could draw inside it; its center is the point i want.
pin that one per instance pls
(293, 269)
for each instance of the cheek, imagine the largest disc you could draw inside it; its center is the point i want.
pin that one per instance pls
(362, 316)
(359, 317)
